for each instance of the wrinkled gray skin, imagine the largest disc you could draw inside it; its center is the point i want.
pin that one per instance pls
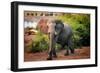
(63, 36)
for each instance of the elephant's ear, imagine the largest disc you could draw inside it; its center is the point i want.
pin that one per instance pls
(62, 24)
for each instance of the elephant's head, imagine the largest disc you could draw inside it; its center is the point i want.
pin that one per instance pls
(58, 27)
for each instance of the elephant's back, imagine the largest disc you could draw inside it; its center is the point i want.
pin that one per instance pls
(67, 30)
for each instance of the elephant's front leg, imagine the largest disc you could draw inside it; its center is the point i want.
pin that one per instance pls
(50, 57)
(54, 50)
(51, 47)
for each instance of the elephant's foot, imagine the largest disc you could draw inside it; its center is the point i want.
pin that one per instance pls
(49, 58)
(55, 56)
(72, 51)
(66, 54)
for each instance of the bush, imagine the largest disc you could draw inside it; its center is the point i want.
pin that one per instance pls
(40, 43)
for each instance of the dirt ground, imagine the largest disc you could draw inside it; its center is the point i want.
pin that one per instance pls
(82, 53)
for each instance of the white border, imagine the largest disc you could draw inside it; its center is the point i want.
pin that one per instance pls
(22, 64)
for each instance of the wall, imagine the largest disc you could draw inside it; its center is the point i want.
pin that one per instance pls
(5, 36)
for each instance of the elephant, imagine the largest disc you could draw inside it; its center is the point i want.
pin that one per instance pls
(62, 34)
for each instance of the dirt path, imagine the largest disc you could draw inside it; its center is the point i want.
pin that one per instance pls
(83, 53)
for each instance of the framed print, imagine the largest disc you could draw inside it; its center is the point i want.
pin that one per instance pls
(52, 36)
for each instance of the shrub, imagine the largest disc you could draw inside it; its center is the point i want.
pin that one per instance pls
(40, 43)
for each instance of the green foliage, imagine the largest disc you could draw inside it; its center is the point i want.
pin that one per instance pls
(58, 47)
(40, 43)
(80, 24)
